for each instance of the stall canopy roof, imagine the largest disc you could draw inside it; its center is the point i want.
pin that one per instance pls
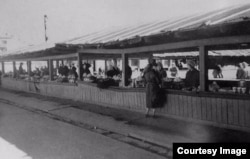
(231, 14)
(30, 49)
(242, 52)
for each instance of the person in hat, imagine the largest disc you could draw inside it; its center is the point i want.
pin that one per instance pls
(152, 87)
(192, 76)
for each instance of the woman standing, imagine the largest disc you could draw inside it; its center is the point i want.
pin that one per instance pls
(152, 87)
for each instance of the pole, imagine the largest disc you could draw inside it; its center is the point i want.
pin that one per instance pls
(51, 69)
(14, 69)
(79, 61)
(124, 67)
(105, 65)
(45, 27)
(3, 69)
(203, 57)
(94, 66)
(29, 68)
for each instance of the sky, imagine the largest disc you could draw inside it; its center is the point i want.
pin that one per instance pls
(24, 19)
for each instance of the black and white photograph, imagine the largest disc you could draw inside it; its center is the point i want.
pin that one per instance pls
(124, 79)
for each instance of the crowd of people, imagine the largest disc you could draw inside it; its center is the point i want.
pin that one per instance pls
(191, 80)
(70, 72)
(38, 72)
(42, 71)
(154, 76)
(243, 71)
(67, 73)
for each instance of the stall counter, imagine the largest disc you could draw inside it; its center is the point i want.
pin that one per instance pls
(230, 110)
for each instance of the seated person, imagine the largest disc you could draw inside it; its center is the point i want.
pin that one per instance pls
(37, 72)
(117, 70)
(73, 74)
(21, 70)
(241, 71)
(112, 71)
(192, 76)
(174, 70)
(246, 69)
(44, 71)
(85, 70)
(73, 69)
(217, 72)
(214, 87)
(136, 73)
(100, 71)
(65, 70)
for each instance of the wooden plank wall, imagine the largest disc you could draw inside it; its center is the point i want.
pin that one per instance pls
(117, 99)
(217, 110)
(234, 112)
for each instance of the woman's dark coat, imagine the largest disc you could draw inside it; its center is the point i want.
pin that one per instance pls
(192, 78)
(152, 88)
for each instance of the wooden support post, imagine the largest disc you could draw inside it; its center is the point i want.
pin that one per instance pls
(105, 65)
(94, 66)
(57, 64)
(124, 67)
(29, 68)
(14, 69)
(3, 69)
(79, 61)
(203, 57)
(50, 66)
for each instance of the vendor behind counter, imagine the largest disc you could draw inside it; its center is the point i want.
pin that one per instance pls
(113, 71)
(192, 76)
(85, 70)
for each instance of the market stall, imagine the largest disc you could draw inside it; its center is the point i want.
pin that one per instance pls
(223, 108)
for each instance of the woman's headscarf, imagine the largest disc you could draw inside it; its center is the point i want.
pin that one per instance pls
(191, 63)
